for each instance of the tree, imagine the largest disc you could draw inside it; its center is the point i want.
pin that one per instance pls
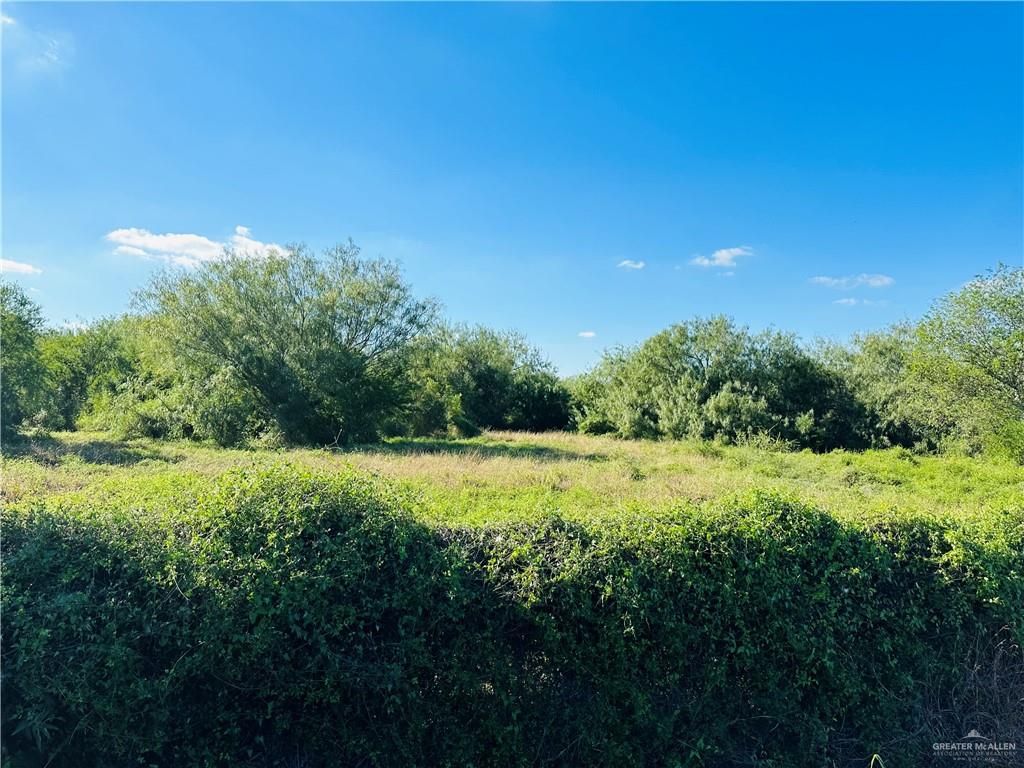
(708, 378)
(83, 366)
(21, 371)
(979, 332)
(320, 343)
(969, 358)
(876, 369)
(588, 397)
(504, 383)
(811, 404)
(467, 379)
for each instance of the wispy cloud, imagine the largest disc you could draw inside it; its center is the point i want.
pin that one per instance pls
(188, 250)
(34, 51)
(854, 281)
(129, 250)
(723, 257)
(242, 243)
(851, 302)
(630, 264)
(184, 249)
(586, 334)
(19, 268)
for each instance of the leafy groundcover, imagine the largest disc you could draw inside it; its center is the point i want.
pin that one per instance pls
(287, 618)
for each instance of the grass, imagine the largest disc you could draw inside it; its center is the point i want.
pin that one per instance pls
(688, 614)
(505, 475)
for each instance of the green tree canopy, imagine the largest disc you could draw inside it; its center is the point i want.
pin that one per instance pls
(319, 341)
(471, 378)
(22, 375)
(709, 378)
(968, 358)
(979, 332)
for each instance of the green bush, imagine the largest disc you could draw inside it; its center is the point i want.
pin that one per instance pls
(1008, 441)
(86, 366)
(22, 375)
(223, 410)
(708, 378)
(319, 343)
(463, 380)
(281, 618)
(736, 412)
(952, 380)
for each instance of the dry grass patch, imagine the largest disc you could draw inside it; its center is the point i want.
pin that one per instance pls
(502, 475)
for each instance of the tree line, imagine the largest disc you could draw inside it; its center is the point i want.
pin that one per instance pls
(335, 348)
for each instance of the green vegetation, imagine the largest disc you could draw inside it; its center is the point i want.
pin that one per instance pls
(709, 379)
(335, 349)
(469, 379)
(283, 616)
(509, 476)
(313, 347)
(273, 519)
(955, 381)
(21, 372)
(512, 598)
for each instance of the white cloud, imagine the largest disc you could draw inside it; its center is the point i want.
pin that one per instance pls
(854, 281)
(630, 264)
(75, 325)
(187, 250)
(20, 268)
(33, 51)
(243, 244)
(723, 257)
(586, 334)
(851, 302)
(130, 250)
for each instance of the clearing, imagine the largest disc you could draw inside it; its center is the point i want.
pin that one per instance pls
(505, 475)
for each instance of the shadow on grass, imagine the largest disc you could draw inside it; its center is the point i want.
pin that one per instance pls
(49, 451)
(420, 446)
(463, 631)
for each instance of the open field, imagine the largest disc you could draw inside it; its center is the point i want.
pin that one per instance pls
(501, 476)
(577, 385)
(513, 599)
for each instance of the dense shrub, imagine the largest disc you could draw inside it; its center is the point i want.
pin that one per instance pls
(84, 365)
(318, 343)
(708, 378)
(291, 619)
(876, 368)
(968, 359)
(954, 381)
(452, 381)
(21, 371)
(335, 349)
(463, 380)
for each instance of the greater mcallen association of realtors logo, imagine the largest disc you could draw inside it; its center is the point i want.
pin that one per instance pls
(975, 748)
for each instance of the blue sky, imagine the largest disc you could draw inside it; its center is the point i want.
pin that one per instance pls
(560, 169)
